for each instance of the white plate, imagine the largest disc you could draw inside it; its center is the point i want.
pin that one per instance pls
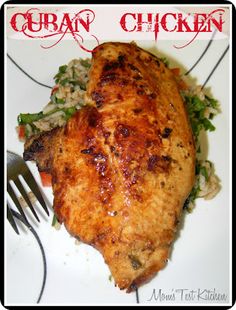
(199, 266)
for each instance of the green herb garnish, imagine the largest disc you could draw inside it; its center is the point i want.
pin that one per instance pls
(62, 70)
(64, 81)
(29, 118)
(60, 100)
(56, 100)
(79, 83)
(69, 112)
(86, 63)
(196, 110)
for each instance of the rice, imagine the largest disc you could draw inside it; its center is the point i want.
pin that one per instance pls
(54, 120)
(67, 96)
(69, 91)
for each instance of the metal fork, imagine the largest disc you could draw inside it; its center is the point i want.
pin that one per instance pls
(16, 166)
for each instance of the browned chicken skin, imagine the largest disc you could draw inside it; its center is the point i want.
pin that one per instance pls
(123, 166)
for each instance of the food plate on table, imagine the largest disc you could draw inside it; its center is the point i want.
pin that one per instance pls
(75, 273)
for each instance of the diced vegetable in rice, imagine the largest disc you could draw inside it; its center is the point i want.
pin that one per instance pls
(67, 97)
(51, 121)
(201, 110)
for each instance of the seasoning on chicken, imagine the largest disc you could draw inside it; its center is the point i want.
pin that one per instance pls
(123, 166)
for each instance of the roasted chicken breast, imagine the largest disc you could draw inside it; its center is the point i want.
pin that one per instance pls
(123, 166)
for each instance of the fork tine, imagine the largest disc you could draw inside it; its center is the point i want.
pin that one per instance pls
(15, 200)
(25, 196)
(11, 220)
(35, 189)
